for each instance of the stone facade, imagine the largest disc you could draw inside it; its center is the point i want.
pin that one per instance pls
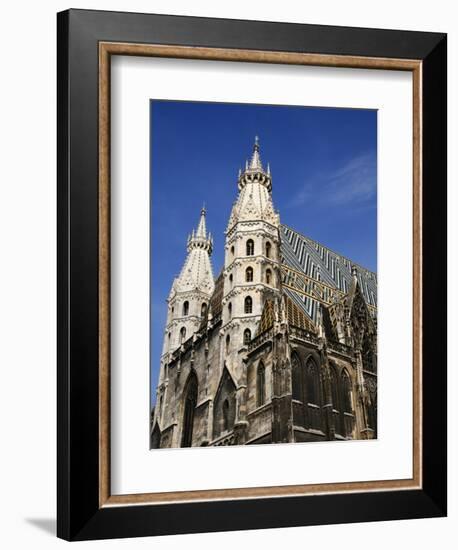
(281, 347)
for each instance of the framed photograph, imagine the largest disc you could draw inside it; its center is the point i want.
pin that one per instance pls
(252, 274)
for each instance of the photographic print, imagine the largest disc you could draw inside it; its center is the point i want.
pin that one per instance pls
(263, 263)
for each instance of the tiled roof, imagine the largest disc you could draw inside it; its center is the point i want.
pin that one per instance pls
(320, 263)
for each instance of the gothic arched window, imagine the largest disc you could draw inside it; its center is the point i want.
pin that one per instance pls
(185, 308)
(372, 407)
(203, 309)
(156, 438)
(229, 309)
(296, 377)
(346, 392)
(231, 278)
(268, 249)
(268, 276)
(248, 305)
(226, 411)
(182, 335)
(190, 402)
(260, 385)
(249, 274)
(312, 382)
(369, 358)
(228, 343)
(250, 247)
(161, 403)
(335, 389)
(224, 405)
(246, 336)
(232, 250)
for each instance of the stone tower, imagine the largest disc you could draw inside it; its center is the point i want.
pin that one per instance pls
(190, 293)
(251, 269)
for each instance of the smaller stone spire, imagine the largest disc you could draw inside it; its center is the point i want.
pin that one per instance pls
(199, 238)
(202, 228)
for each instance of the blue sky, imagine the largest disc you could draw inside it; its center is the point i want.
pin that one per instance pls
(324, 178)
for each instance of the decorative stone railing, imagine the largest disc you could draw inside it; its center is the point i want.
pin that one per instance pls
(338, 347)
(302, 334)
(260, 339)
(227, 439)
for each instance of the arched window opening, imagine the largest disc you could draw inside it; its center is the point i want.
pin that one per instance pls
(369, 360)
(249, 274)
(268, 276)
(335, 390)
(296, 377)
(248, 304)
(250, 247)
(161, 403)
(156, 438)
(232, 250)
(346, 393)
(182, 335)
(231, 278)
(268, 249)
(228, 343)
(260, 385)
(247, 336)
(372, 409)
(185, 308)
(336, 396)
(371, 416)
(229, 309)
(173, 310)
(190, 402)
(203, 309)
(313, 382)
(226, 408)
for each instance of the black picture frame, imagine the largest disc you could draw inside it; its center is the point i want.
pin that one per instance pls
(80, 516)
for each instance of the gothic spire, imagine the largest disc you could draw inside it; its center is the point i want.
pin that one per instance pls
(254, 170)
(199, 237)
(255, 163)
(197, 273)
(202, 228)
(254, 201)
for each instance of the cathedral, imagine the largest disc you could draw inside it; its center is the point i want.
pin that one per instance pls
(280, 347)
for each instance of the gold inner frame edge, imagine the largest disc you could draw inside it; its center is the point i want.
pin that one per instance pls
(106, 50)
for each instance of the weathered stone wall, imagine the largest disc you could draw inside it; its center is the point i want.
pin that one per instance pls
(203, 356)
(228, 410)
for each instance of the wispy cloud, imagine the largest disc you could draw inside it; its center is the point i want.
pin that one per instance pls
(354, 183)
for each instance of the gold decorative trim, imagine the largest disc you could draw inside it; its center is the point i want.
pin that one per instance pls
(106, 50)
